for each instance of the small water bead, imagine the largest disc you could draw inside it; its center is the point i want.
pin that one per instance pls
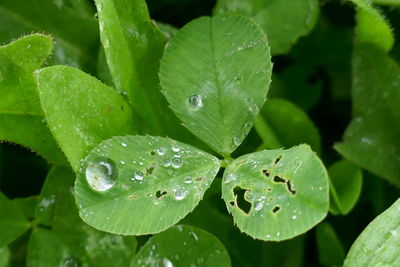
(101, 174)
(253, 109)
(188, 180)
(167, 263)
(167, 163)
(138, 176)
(161, 151)
(179, 194)
(176, 162)
(195, 101)
(294, 217)
(176, 148)
(230, 178)
(124, 144)
(236, 141)
(70, 262)
(259, 205)
(122, 162)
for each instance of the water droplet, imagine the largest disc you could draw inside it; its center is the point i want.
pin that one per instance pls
(101, 174)
(188, 180)
(259, 205)
(138, 176)
(124, 144)
(366, 140)
(230, 178)
(195, 101)
(294, 217)
(176, 162)
(161, 151)
(394, 232)
(278, 233)
(179, 194)
(70, 262)
(236, 141)
(167, 263)
(122, 162)
(253, 109)
(176, 148)
(167, 163)
(194, 235)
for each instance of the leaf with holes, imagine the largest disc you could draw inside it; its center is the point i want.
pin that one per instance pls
(183, 246)
(371, 140)
(379, 243)
(284, 21)
(80, 110)
(345, 186)
(276, 194)
(216, 98)
(137, 185)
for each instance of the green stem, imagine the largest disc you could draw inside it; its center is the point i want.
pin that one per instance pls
(264, 130)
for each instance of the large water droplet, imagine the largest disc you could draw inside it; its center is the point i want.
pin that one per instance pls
(259, 205)
(176, 162)
(161, 151)
(195, 101)
(167, 263)
(101, 174)
(179, 194)
(70, 262)
(176, 148)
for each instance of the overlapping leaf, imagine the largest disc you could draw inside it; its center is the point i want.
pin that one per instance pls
(215, 97)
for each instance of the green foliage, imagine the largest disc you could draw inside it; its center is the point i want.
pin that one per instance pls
(182, 245)
(218, 99)
(371, 139)
(154, 143)
(379, 243)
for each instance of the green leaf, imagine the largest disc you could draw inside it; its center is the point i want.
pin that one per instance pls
(137, 185)
(21, 117)
(70, 239)
(276, 194)
(183, 245)
(372, 26)
(387, 2)
(371, 139)
(330, 250)
(133, 48)
(345, 187)
(76, 36)
(27, 206)
(13, 223)
(379, 243)
(283, 21)
(4, 257)
(57, 180)
(216, 98)
(282, 124)
(80, 110)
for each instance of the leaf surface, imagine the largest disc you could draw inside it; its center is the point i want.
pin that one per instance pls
(379, 243)
(13, 223)
(80, 110)
(371, 141)
(284, 21)
(183, 245)
(215, 97)
(345, 187)
(330, 250)
(21, 117)
(276, 194)
(137, 185)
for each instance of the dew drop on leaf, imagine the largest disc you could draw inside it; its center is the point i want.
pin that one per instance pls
(70, 262)
(179, 194)
(195, 101)
(161, 151)
(167, 263)
(138, 176)
(176, 162)
(101, 174)
(176, 148)
(236, 141)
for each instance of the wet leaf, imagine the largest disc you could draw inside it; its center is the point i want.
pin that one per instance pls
(284, 21)
(137, 185)
(13, 223)
(21, 117)
(217, 99)
(183, 246)
(379, 243)
(276, 194)
(371, 139)
(80, 110)
(345, 187)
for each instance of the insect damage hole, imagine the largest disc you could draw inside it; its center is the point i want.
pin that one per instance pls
(278, 159)
(290, 187)
(160, 193)
(276, 209)
(149, 170)
(241, 202)
(266, 173)
(278, 179)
